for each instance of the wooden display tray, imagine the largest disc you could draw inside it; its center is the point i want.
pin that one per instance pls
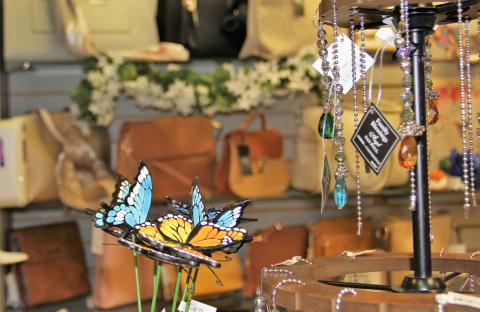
(316, 296)
(374, 11)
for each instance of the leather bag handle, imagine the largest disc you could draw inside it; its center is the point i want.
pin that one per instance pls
(180, 177)
(250, 118)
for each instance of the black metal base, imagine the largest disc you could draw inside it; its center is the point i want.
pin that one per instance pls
(422, 285)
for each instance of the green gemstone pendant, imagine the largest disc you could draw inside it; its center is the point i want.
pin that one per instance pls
(325, 126)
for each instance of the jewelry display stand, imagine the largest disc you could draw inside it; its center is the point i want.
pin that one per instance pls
(417, 292)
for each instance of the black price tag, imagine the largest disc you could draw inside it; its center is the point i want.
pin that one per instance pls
(375, 138)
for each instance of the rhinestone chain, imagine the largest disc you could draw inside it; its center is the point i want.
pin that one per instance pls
(280, 284)
(461, 67)
(343, 292)
(355, 124)
(469, 112)
(341, 171)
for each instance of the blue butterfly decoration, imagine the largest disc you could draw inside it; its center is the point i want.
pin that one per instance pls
(130, 203)
(229, 216)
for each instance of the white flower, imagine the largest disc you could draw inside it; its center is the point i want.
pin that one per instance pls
(182, 95)
(236, 87)
(96, 79)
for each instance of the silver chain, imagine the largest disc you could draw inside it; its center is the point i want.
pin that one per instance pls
(461, 67)
(363, 69)
(469, 112)
(355, 124)
(280, 284)
(343, 292)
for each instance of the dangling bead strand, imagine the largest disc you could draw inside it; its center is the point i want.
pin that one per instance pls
(325, 124)
(341, 172)
(355, 124)
(469, 112)
(461, 67)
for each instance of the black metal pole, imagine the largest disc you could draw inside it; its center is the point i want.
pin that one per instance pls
(421, 25)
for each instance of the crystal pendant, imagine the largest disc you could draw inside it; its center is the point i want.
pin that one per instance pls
(408, 152)
(325, 126)
(340, 193)
(432, 113)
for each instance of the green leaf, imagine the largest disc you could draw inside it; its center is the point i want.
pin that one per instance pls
(127, 71)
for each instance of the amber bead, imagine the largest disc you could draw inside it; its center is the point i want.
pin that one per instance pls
(408, 152)
(432, 113)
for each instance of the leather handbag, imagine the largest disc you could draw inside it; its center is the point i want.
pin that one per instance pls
(82, 173)
(113, 25)
(270, 246)
(214, 28)
(308, 155)
(252, 162)
(176, 149)
(114, 283)
(332, 237)
(56, 268)
(395, 234)
(26, 144)
(277, 28)
(229, 276)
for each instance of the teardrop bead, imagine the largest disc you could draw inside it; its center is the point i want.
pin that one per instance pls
(408, 152)
(325, 126)
(433, 113)
(340, 193)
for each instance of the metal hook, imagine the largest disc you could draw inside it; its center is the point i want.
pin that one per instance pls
(343, 292)
(280, 284)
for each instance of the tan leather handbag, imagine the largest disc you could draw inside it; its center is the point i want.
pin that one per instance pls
(114, 283)
(81, 172)
(277, 28)
(176, 149)
(252, 162)
(307, 163)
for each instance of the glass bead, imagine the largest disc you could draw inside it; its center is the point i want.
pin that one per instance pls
(407, 154)
(325, 126)
(340, 157)
(407, 115)
(433, 113)
(407, 80)
(339, 140)
(399, 42)
(340, 193)
(406, 97)
(403, 53)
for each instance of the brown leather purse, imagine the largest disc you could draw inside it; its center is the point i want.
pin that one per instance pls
(56, 268)
(176, 149)
(252, 162)
(271, 246)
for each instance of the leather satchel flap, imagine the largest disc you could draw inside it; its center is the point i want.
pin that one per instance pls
(168, 138)
(263, 143)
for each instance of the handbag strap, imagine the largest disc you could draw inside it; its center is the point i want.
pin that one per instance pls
(250, 118)
(47, 119)
(180, 176)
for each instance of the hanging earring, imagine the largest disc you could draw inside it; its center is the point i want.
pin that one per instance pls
(408, 129)
(469, 112)
(355, 124)
(341, 172)
(463, 117)
(325, 124)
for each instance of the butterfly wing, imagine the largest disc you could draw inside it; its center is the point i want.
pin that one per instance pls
(156, 255)
(230, 216)
(122, 188)
(174, 226)
(209, 237)
(198, 213)
(178, 206)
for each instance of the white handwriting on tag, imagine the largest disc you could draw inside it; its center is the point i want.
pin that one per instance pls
(458, 299)
(345, 62)
(196, 306)
(386, 34)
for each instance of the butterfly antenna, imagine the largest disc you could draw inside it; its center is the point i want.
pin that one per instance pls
(218, 281)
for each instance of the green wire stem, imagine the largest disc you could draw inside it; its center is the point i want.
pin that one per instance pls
(156, 283)
(186, 284)
(177, 289)
(137, 278)
(192, 290)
